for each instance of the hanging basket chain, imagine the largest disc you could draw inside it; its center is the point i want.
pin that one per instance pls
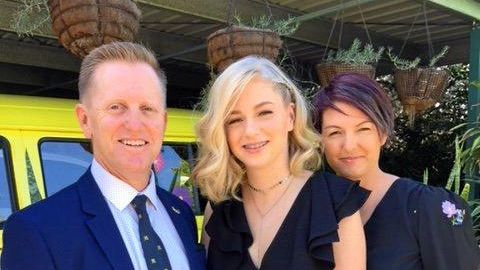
(365, 24)
(268, 10)
(429, 40)
(409, 32)
(330, 36)
(341, 28)
(230, 11)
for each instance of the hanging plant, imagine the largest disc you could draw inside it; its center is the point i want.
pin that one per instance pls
(83, 25)
(260, 37)
(419, 88)
(80, 25)
(354, 59)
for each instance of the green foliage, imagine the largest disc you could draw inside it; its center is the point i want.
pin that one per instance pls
(454, 179)
(405, 64)
(355, 55)
(32, 182)
(476, 84)
(30, 16)
(438, 56)
(402, 64)
(425, 176)
(455, 173)
(285, 27)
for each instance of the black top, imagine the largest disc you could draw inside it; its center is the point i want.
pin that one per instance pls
(304, 239)
(418, 227)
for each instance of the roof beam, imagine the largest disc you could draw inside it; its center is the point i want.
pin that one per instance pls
(162, 43)
(469, 8)
(314, 31)
(23, 53)
(330, 10)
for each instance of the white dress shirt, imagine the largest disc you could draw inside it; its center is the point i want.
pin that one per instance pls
(118, 195)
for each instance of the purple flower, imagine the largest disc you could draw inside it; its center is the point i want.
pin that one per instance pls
(184, 195)
(449, 209)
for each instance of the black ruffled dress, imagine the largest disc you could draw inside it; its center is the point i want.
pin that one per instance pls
(304, 239)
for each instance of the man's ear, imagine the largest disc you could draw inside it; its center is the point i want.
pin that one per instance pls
(83, 120)
(165, 121)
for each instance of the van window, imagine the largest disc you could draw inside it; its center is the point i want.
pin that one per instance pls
(63, 163)
(6, 206)
(172, 171)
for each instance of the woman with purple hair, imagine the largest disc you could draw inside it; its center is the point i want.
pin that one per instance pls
(408, 225)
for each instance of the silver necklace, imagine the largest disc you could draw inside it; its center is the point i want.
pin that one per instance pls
(263, 215)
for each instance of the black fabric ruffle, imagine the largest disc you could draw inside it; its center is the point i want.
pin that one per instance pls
(332, 198)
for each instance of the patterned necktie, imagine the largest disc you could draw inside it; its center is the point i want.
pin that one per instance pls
(153, 249)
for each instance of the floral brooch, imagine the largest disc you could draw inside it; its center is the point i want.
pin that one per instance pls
(455, 215)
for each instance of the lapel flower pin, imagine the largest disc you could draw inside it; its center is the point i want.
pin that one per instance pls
(176, 210)
(455, 215)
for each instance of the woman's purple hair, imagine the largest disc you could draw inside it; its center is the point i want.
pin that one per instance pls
(360, 92)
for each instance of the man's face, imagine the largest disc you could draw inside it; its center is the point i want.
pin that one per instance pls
(124, 115)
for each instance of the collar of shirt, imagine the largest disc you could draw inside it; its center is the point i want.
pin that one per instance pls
(118, 192)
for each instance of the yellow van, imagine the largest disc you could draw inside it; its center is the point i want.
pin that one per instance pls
(42, 150)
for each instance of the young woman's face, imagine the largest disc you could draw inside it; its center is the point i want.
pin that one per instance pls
(352, 141)
(258, 126)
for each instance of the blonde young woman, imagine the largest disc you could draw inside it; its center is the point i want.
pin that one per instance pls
(270, 208)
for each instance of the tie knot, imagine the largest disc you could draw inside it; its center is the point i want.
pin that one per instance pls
(139, 203)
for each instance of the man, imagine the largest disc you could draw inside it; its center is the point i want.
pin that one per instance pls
(113, 217)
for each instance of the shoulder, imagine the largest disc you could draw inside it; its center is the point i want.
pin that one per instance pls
(46, 210)
(340, 189)
(421, 196)
(346, 196)
(438, 201)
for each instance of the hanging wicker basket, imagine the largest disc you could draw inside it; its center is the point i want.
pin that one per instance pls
(419, 89)
(326, 71)
(230, 44)
(82, 25)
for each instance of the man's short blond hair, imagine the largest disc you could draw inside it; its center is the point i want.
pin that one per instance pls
(117, 51)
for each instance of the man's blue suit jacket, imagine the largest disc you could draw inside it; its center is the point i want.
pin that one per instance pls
(74, 229)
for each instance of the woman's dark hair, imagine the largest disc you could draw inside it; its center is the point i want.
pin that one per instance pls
(360, 92)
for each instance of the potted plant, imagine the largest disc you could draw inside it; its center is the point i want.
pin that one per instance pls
(419, 88)
(354, 59)
(81, 25)
(260, 37)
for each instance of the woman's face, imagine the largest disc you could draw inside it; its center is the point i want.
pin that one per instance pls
(352, 141)
(258, 126)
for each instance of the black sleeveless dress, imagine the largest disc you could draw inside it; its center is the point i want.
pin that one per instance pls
(304, 239)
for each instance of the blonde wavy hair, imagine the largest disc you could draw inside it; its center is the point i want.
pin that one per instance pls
(217, 172)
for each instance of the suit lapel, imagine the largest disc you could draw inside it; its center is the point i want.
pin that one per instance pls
(184, 229)
(102, 225)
